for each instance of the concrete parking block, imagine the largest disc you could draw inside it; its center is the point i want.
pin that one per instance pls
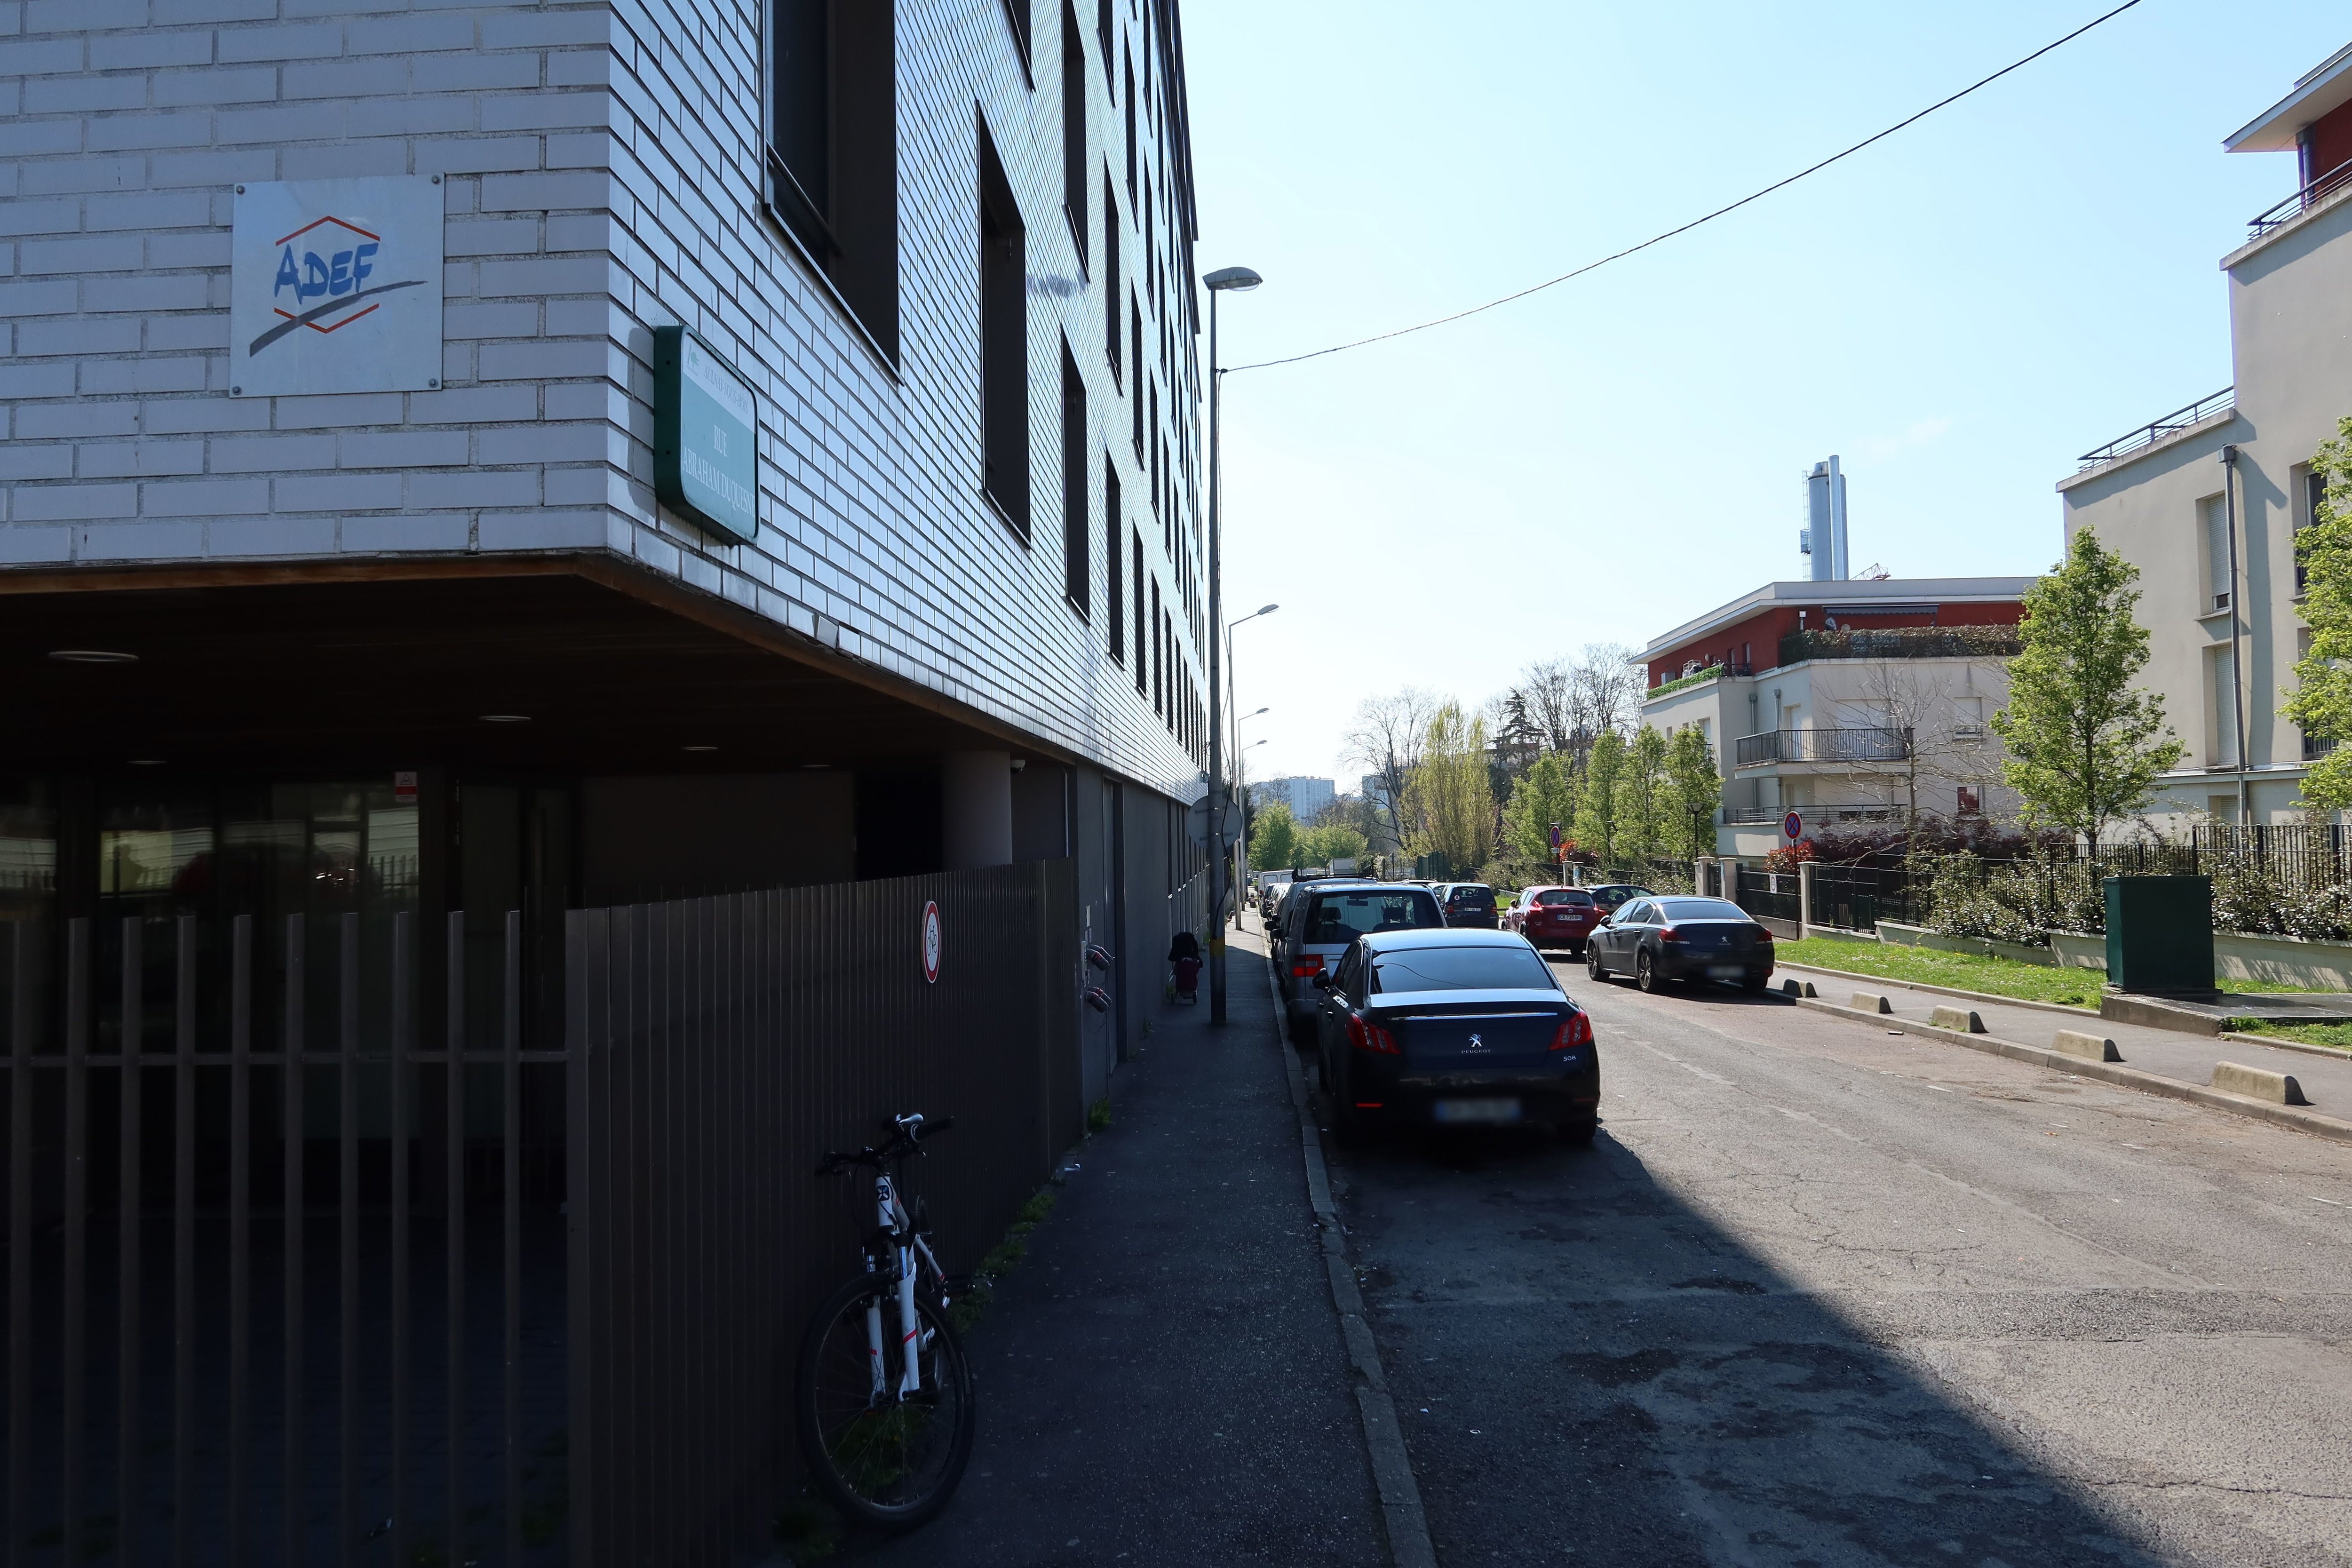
(2091, 1047)
(2258, 1083)
(1870, 1001)
(1961, 1018)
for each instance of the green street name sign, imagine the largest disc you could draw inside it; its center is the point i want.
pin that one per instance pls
(706, 436)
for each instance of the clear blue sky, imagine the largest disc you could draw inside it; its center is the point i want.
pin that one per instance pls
(1957, 311)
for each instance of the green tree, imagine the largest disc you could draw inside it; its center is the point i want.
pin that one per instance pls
(1694, 789)
(1274, 838)
(1600, 814)
(1545, 793)
(2086, 747)
(1645, 795)
(1449, 801)
(2321, 701)
(1329, 841)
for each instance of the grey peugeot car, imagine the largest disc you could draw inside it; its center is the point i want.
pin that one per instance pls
(1655, 939)
(1321, 921)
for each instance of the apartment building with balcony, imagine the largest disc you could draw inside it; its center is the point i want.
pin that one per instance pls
(1856, 700)
(494, 608)
(2206, 501)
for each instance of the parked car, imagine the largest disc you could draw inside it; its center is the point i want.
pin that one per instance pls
(1321, 921)
(1554, 917)
(1453, 1027)
(1655, 939)
(1468, 904)
(1269, 888)
(1609, 895)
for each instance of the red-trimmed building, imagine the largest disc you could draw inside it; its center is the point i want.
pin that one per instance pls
(1844, 702)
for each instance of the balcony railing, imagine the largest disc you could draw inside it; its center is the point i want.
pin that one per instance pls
(2301, 202)
(1867, 743)
(1903, 642)
(2156, 430)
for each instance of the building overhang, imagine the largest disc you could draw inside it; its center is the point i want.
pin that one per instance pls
(2326, 86)
(393, 664)
(1861, 596)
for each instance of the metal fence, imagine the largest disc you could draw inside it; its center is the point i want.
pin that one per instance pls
(321, 1249)
(1766, 895)
(723, 1042)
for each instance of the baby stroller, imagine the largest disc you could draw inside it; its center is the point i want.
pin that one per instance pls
(1183, 968)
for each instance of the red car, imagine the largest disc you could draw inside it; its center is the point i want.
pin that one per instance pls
(1554, 917)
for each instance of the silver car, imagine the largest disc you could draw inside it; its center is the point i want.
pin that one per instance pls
(1321, 921)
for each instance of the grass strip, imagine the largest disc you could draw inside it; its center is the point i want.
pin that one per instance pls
(2334, 1037)
(1960, 970)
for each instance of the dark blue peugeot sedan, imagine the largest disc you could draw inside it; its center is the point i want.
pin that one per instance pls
(1454, 1027)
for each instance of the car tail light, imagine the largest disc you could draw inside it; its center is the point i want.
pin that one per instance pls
(1763, 933)
(1668, 934)
(1370, 1036)
(1574, 1030)
(1305, 965)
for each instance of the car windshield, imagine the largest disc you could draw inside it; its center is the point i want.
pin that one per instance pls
(1473, 895)
(1480, 968)
(1702, 909)
(1609, 898)
(1566, 896)
(1335, 919)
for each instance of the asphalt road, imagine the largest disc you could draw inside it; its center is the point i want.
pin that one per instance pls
(1824, 1294)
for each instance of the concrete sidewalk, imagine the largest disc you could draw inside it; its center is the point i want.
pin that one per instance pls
(1163, 1380)
(2190, 1059)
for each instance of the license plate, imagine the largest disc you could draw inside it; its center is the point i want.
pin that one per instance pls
(1458, 1110)
(1725, 972)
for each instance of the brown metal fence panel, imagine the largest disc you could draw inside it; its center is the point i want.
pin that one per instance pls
(310, 1261)
(260, 1248)
(718, 1045)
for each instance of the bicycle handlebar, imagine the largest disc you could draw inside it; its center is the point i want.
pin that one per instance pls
(904, 1140)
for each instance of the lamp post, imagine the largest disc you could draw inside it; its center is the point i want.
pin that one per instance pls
(1221, 878)
(1237, 852)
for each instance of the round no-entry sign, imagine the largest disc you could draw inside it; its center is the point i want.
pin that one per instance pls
(932, 942)
(1794, 825)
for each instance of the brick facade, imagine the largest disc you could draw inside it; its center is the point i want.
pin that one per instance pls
(602, 166)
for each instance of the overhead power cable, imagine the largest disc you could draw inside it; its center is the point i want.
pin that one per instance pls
(1695, 223)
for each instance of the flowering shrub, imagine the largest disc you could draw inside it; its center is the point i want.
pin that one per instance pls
(2022, 901)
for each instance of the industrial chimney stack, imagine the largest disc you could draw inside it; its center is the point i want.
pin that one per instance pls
(1823, 538)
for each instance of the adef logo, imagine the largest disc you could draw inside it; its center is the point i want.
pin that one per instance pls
(336, 286)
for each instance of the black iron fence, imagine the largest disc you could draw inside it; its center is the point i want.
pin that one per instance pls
(1766, 895)
(319, 1251)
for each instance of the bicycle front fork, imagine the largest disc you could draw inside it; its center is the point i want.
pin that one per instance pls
(911, 1339)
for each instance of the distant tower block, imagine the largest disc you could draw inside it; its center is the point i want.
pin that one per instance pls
(1824, 535)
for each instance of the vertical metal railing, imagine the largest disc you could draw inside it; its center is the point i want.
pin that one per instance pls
(183, 1386)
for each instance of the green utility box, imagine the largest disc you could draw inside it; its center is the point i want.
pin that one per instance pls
(2160, 933)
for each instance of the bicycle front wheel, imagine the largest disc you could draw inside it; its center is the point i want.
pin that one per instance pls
(888, 1462)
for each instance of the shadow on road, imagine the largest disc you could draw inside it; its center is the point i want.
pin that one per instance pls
(1592, 1369)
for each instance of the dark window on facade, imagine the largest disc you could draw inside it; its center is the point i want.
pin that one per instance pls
(2315, 495)
(1130, 125)
(1135, 357)
(1004, 345)
(1142, 664)
(1110, 285)
(1159, 653)
(1114, 563)
(1016, 13)
(833, 150)
(1078, 528)
(1105, 30)
(1074, 127)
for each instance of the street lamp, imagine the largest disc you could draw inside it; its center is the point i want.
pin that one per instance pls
(1224, 280)
(1237, 852)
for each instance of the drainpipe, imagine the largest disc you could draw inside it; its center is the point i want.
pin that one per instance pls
(2237, 681)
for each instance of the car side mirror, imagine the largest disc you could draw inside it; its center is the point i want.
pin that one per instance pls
(1322, 981)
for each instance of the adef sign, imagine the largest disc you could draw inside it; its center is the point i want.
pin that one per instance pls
(335, 286)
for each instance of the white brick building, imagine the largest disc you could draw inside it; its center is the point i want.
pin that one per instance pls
(338, 589)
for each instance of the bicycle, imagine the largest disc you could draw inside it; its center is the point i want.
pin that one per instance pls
(886, 1432)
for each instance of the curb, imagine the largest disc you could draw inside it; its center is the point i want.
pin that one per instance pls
(1400, 1511)
(2107, 1072)
(1943, 990)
